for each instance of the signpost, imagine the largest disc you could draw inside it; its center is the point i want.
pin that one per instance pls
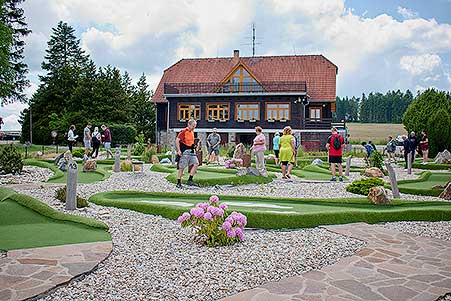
(392, 176)
(71, 186)
(54, 135)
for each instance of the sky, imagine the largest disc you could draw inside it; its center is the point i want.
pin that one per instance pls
(377, 45)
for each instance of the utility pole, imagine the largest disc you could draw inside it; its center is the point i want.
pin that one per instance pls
(31, 127)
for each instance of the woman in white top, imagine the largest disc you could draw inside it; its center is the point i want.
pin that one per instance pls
(71, 137)
(96, 140)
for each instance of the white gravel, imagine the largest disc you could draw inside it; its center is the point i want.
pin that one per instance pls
(29, 174)
(437, 230)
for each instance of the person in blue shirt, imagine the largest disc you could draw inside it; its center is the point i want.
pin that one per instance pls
(275, 146)
(407, 147)
(369, 150)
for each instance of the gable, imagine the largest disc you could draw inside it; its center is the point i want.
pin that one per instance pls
(241, 79)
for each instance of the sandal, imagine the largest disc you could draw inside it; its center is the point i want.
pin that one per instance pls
(284, 177)
(288, 176)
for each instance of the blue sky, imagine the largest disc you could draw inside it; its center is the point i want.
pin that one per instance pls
(377, 45)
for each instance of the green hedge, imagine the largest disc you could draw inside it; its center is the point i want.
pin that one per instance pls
(122, 134)
(431, 166)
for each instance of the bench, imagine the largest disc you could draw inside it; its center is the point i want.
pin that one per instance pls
(136, 163)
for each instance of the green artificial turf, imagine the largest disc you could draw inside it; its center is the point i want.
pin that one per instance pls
(423, 185)
(278, 213)
(210, 177)
(431, 166)
(26, 222)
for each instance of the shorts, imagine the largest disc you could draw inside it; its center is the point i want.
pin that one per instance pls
(107, 146)
(216, 150)
(87, 144)
(188, 158)
(285, 163)
(276, 152)
(335, 159)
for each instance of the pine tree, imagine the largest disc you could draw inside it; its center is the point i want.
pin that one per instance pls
(13, 70)
(144, 109)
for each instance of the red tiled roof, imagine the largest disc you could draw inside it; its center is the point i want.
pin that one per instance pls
(317, 71)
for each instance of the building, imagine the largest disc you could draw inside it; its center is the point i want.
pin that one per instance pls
(235, 94)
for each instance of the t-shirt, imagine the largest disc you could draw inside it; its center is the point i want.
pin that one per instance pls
(260, 147)
(214, 139)
(107, 134)
(186, 138)
(332, 151)
(275, 142)
(391, 146)
(369, 149)
(86, 133)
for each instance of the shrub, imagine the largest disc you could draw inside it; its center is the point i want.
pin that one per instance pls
(78, 152)
(122, 134)
(126, 165)
(376, 160)
(212, 223)
(139, 145)
(10, 160)
(148, 153)
(363, 186)
(60, 194)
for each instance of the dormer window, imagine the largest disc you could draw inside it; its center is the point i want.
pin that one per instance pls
(241, 81)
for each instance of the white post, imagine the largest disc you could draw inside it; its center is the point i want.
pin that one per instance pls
(129, 152)
(409, 163)
(394, 184)
(117, 160)
(71, 186)
(348, 165)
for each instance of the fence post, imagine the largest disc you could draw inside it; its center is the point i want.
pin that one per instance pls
(129, 152)
(71, 186)
(348, 165)
(117, 160)
(392, 176)
(409, 163)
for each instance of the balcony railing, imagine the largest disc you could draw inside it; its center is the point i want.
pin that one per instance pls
(211, 88)
(321, 124)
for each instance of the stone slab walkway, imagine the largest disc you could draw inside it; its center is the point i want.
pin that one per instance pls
(393, 266)
(29, 272)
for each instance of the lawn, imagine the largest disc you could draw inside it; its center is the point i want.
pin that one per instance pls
(423, 185)
(25, 222)
(376, 132)
(277, 213)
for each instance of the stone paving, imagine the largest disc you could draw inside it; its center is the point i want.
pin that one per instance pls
(393, 266)
(26, 273)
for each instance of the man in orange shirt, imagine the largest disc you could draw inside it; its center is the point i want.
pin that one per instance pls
(186, 153)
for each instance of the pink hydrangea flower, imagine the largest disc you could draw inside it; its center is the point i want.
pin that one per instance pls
(218, 211)
(223, 206)
(184, 217)
(230, 233)
(202, 205)
(197, 212)
(226, 226)
(214, 199)
(239, 233)
(208, 216)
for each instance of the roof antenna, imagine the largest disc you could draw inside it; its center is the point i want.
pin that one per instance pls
(253, 39)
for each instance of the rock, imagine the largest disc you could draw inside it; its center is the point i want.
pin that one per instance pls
(89, 165)
(154, 159)
(443, 157)
(251, 171)
(378, 195)
(59, 157)
(374, 172)
(240, 150)
(446, 194)
(317, 162)
(62, 164)
(165, 161)
(439, 186)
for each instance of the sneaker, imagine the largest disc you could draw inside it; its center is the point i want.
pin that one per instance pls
(179, 185)
(340, 179)
(192, 183)
(334, 179)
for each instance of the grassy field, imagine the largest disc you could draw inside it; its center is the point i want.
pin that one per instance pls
(376, 132)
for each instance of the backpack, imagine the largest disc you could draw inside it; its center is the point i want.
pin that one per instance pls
(95, 139)
(391, 147)
(66, 135)
(336, 144)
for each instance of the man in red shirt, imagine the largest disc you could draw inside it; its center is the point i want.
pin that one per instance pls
(186, 153)
(335, 144)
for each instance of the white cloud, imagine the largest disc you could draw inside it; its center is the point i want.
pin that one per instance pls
(11, 123)
(419, 64)
(407, 13)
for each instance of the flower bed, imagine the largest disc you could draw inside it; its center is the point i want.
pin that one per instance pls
(234, 162)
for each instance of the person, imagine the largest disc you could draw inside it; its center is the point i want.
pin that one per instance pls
(287, 152)
(424, 144)
(372, 145)
(413, 144)
(406, 146)
(347, 143)
(297, 143)
(96, 140)
(334, 145)
(186, 156)
(258, 149)
(107, 140)
(391, 149)
(87, 138)
(213, 142)
(369, 150)
(71, 137)
(275, 146)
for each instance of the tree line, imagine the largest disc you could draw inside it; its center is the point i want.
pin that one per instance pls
(374, 108)
(73, 90)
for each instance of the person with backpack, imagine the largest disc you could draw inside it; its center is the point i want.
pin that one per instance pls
(369, 151)
(335, 144)
(96, 140)
(391, 149)
(71, 138)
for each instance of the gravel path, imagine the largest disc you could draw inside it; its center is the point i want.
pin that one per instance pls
(29, 174)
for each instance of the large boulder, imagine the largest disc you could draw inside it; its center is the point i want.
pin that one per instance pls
(240, 150)
(250, 171)
(378, 195)
(155, 160)
(317, 162)
(89, 165)
(446, 194)
(58, 158)
(443, 157)
(374, 172)
(165, 161)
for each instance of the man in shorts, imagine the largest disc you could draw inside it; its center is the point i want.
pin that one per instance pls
(213, 142)
(107, 140)
(335, 144)
(87, 139)
(187, 156)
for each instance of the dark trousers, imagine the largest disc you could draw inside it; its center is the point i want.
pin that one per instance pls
(70, 144)
(95, 149)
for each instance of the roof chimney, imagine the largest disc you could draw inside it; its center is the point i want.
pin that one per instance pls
(236, 56)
